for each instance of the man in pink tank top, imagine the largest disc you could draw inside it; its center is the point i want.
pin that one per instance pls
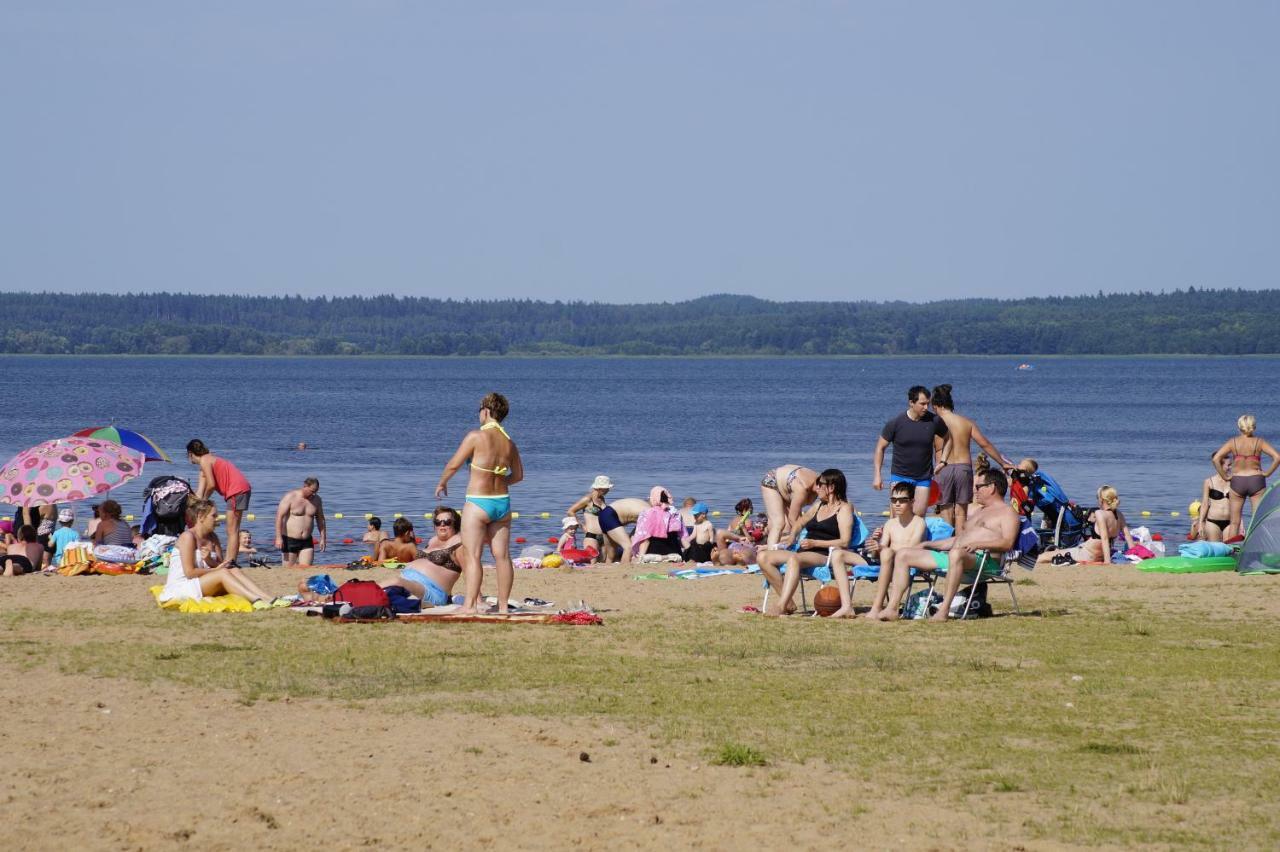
(218, 474)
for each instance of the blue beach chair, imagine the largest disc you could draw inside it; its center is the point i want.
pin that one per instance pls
(822, 573)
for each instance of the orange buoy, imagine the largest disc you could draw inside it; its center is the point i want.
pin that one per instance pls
(552, 540)
(348, 541)
(418, 539)
(520, 540)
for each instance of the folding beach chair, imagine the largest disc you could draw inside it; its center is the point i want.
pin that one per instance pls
(989, 569)
(821, 574)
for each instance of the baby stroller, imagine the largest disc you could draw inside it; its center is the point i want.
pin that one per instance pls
(1064, 524)
(164, 506)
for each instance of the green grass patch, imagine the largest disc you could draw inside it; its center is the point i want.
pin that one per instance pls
(737, 754)
(1110, 748)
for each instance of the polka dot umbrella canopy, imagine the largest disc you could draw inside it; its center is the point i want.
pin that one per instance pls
(65, 470)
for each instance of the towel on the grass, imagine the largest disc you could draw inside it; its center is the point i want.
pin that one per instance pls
(216, 603)
(1204, 549)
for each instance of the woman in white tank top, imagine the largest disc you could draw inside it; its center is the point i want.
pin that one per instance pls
(190, 578)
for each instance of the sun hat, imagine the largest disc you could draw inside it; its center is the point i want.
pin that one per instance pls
(66, 516)
(698, 508)
(602, 482)
(569, 521)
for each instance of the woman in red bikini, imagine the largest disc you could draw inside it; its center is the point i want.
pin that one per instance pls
(1246, 476)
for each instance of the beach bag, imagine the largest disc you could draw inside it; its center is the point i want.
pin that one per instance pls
(361, 593)
(922, 604)
(370, 613)
(77, 555)
(980, 608)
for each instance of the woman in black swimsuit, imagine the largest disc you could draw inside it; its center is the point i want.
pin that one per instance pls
(1214, 517)
(827, 524)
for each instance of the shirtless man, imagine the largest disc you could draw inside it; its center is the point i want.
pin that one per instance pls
(486, 514)
(914, 435)
(374, 533)
(903, 530)
(954, 465)
(993, 528)
(613, 520)
(402, 548)
(299, 512)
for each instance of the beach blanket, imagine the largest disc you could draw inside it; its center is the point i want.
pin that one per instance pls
(573, 618)
(691, 574)
(218, 603)
(1188, 564)
(1203, 549)
(111, 569)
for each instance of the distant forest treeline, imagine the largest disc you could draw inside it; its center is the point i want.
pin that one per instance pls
(1217, 322)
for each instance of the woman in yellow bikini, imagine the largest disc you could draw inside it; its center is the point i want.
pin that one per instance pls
(486, 514)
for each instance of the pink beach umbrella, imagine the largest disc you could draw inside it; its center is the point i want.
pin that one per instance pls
(65, 470)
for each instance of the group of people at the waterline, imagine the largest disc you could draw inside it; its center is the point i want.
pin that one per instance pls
(453, 552)
(807, 519)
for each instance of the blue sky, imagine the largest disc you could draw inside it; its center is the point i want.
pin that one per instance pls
(639, 151)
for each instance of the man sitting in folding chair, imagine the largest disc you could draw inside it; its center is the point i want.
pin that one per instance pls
(993, 529)
(827, 523)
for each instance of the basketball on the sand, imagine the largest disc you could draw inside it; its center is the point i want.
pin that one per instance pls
(826, 601)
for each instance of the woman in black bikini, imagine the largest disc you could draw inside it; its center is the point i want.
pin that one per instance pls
(785, 490)
(1214, 516)
(1246, 476)
(827, 524)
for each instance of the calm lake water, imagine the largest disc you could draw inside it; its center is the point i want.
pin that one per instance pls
(380, 430)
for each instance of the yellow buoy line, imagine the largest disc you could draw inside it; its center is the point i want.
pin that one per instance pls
(1192, 510)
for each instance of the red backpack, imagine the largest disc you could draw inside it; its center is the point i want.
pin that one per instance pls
(361, 593)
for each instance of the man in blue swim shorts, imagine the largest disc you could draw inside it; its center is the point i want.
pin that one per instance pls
(993, 529)
(914, 435)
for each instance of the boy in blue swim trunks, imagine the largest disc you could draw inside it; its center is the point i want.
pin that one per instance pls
(993, 528)
(486, 515)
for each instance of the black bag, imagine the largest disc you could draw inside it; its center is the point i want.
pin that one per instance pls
(370, 613)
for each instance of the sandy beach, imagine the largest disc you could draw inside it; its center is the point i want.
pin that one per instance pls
(109, 753)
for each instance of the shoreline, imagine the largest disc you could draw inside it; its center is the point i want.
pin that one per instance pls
(565, 356)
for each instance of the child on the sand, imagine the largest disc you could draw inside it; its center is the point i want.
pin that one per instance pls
(568, 544)
(701, 540)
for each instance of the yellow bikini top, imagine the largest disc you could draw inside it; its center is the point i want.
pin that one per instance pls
(499, 470)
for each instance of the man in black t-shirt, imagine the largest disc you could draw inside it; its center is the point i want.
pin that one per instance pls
(915, 435)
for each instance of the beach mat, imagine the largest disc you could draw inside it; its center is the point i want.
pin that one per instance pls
(1187, 564)
(575, 618)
